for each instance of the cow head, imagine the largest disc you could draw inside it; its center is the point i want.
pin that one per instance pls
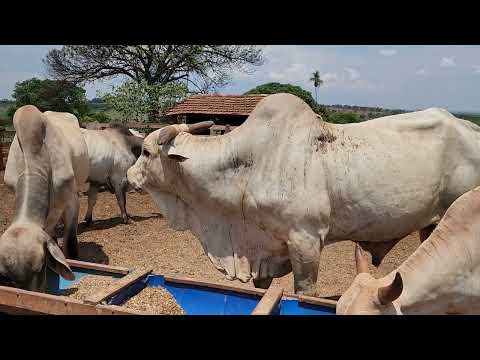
(370, 296)
(153, 168)
(25, 252)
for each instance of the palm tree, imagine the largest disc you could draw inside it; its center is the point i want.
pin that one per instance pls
(317, 82)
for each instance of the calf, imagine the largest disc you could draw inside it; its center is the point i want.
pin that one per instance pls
(111, 152)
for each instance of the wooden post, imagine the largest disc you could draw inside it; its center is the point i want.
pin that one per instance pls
(268, 301)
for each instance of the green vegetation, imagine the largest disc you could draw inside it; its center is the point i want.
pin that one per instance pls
(275, 88)
(141, 101)
(345, 117)
(54, 95)
(475, 118)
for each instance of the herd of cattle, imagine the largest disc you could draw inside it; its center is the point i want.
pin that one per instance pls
(265, 198)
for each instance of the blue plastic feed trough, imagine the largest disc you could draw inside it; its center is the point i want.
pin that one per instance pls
(195, 299)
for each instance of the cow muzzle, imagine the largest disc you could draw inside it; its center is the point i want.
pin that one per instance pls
(133, 180)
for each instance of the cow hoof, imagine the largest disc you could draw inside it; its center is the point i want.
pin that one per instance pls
(127, 221)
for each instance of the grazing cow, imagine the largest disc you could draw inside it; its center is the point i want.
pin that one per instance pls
(46, 164)
(440, 277)
(111, 151)
(266, 197)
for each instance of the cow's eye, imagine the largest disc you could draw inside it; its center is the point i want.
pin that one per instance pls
(146, 153)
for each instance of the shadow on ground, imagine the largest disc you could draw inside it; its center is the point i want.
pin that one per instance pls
(105, 224)
(92, 252)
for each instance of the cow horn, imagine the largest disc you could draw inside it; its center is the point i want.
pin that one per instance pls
(360, 260)
(192, 128)
(392, 292)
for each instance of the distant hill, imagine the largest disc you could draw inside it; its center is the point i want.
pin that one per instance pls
(368, 113)
(364, 112)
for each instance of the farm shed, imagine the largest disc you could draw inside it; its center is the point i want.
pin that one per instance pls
(226, 111)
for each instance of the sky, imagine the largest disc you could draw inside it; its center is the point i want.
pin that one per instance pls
(405, 77)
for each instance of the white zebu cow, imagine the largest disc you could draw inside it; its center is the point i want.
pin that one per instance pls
(46, 164)
(269, 195)
(440, 277)
(111, 152)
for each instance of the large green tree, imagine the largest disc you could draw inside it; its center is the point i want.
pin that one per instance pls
(53, 95)
(203, 67)
(275, 88)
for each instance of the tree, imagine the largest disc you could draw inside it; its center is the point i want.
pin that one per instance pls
(143, 102)
(53, 95)
(275, 88)
(344, 117)
(205, 67)
(317, 82)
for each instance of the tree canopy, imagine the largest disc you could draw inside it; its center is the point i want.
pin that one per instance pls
(205, 67)
(140, 101)
(53, 95)
(275, 88)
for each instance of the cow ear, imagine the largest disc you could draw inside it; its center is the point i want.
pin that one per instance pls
(57, 261)
(178, 153)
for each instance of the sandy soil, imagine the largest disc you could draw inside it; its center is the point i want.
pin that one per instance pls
(149, 242)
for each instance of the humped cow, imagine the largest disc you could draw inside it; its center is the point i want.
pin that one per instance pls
(46, 164)
(265, 198)
(111, 152)
(440, 277)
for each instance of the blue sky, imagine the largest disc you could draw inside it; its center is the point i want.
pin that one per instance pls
(408, 77)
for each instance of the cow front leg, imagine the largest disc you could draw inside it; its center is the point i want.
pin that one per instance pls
(304, 251)
(70, 218)
(92, 200)
(121, 195)
(426, 232)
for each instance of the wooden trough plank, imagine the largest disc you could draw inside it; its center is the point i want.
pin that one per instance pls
(190, 281)
(317, 301)
(99, 267)
(118, 310)
(117, 286)
(14, 300)
(268, 301)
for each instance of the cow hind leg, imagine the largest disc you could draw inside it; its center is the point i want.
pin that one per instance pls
(121, 195)
(426, 232)
(70, 241)
(92, 199)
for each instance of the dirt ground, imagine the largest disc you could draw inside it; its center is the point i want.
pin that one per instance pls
(149, 242)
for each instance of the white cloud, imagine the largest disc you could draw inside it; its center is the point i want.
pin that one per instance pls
(275, 76)
(352, 73)
(476, 69)
(447, 62)
(422, 72)
(329, 77)
(388, 52)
